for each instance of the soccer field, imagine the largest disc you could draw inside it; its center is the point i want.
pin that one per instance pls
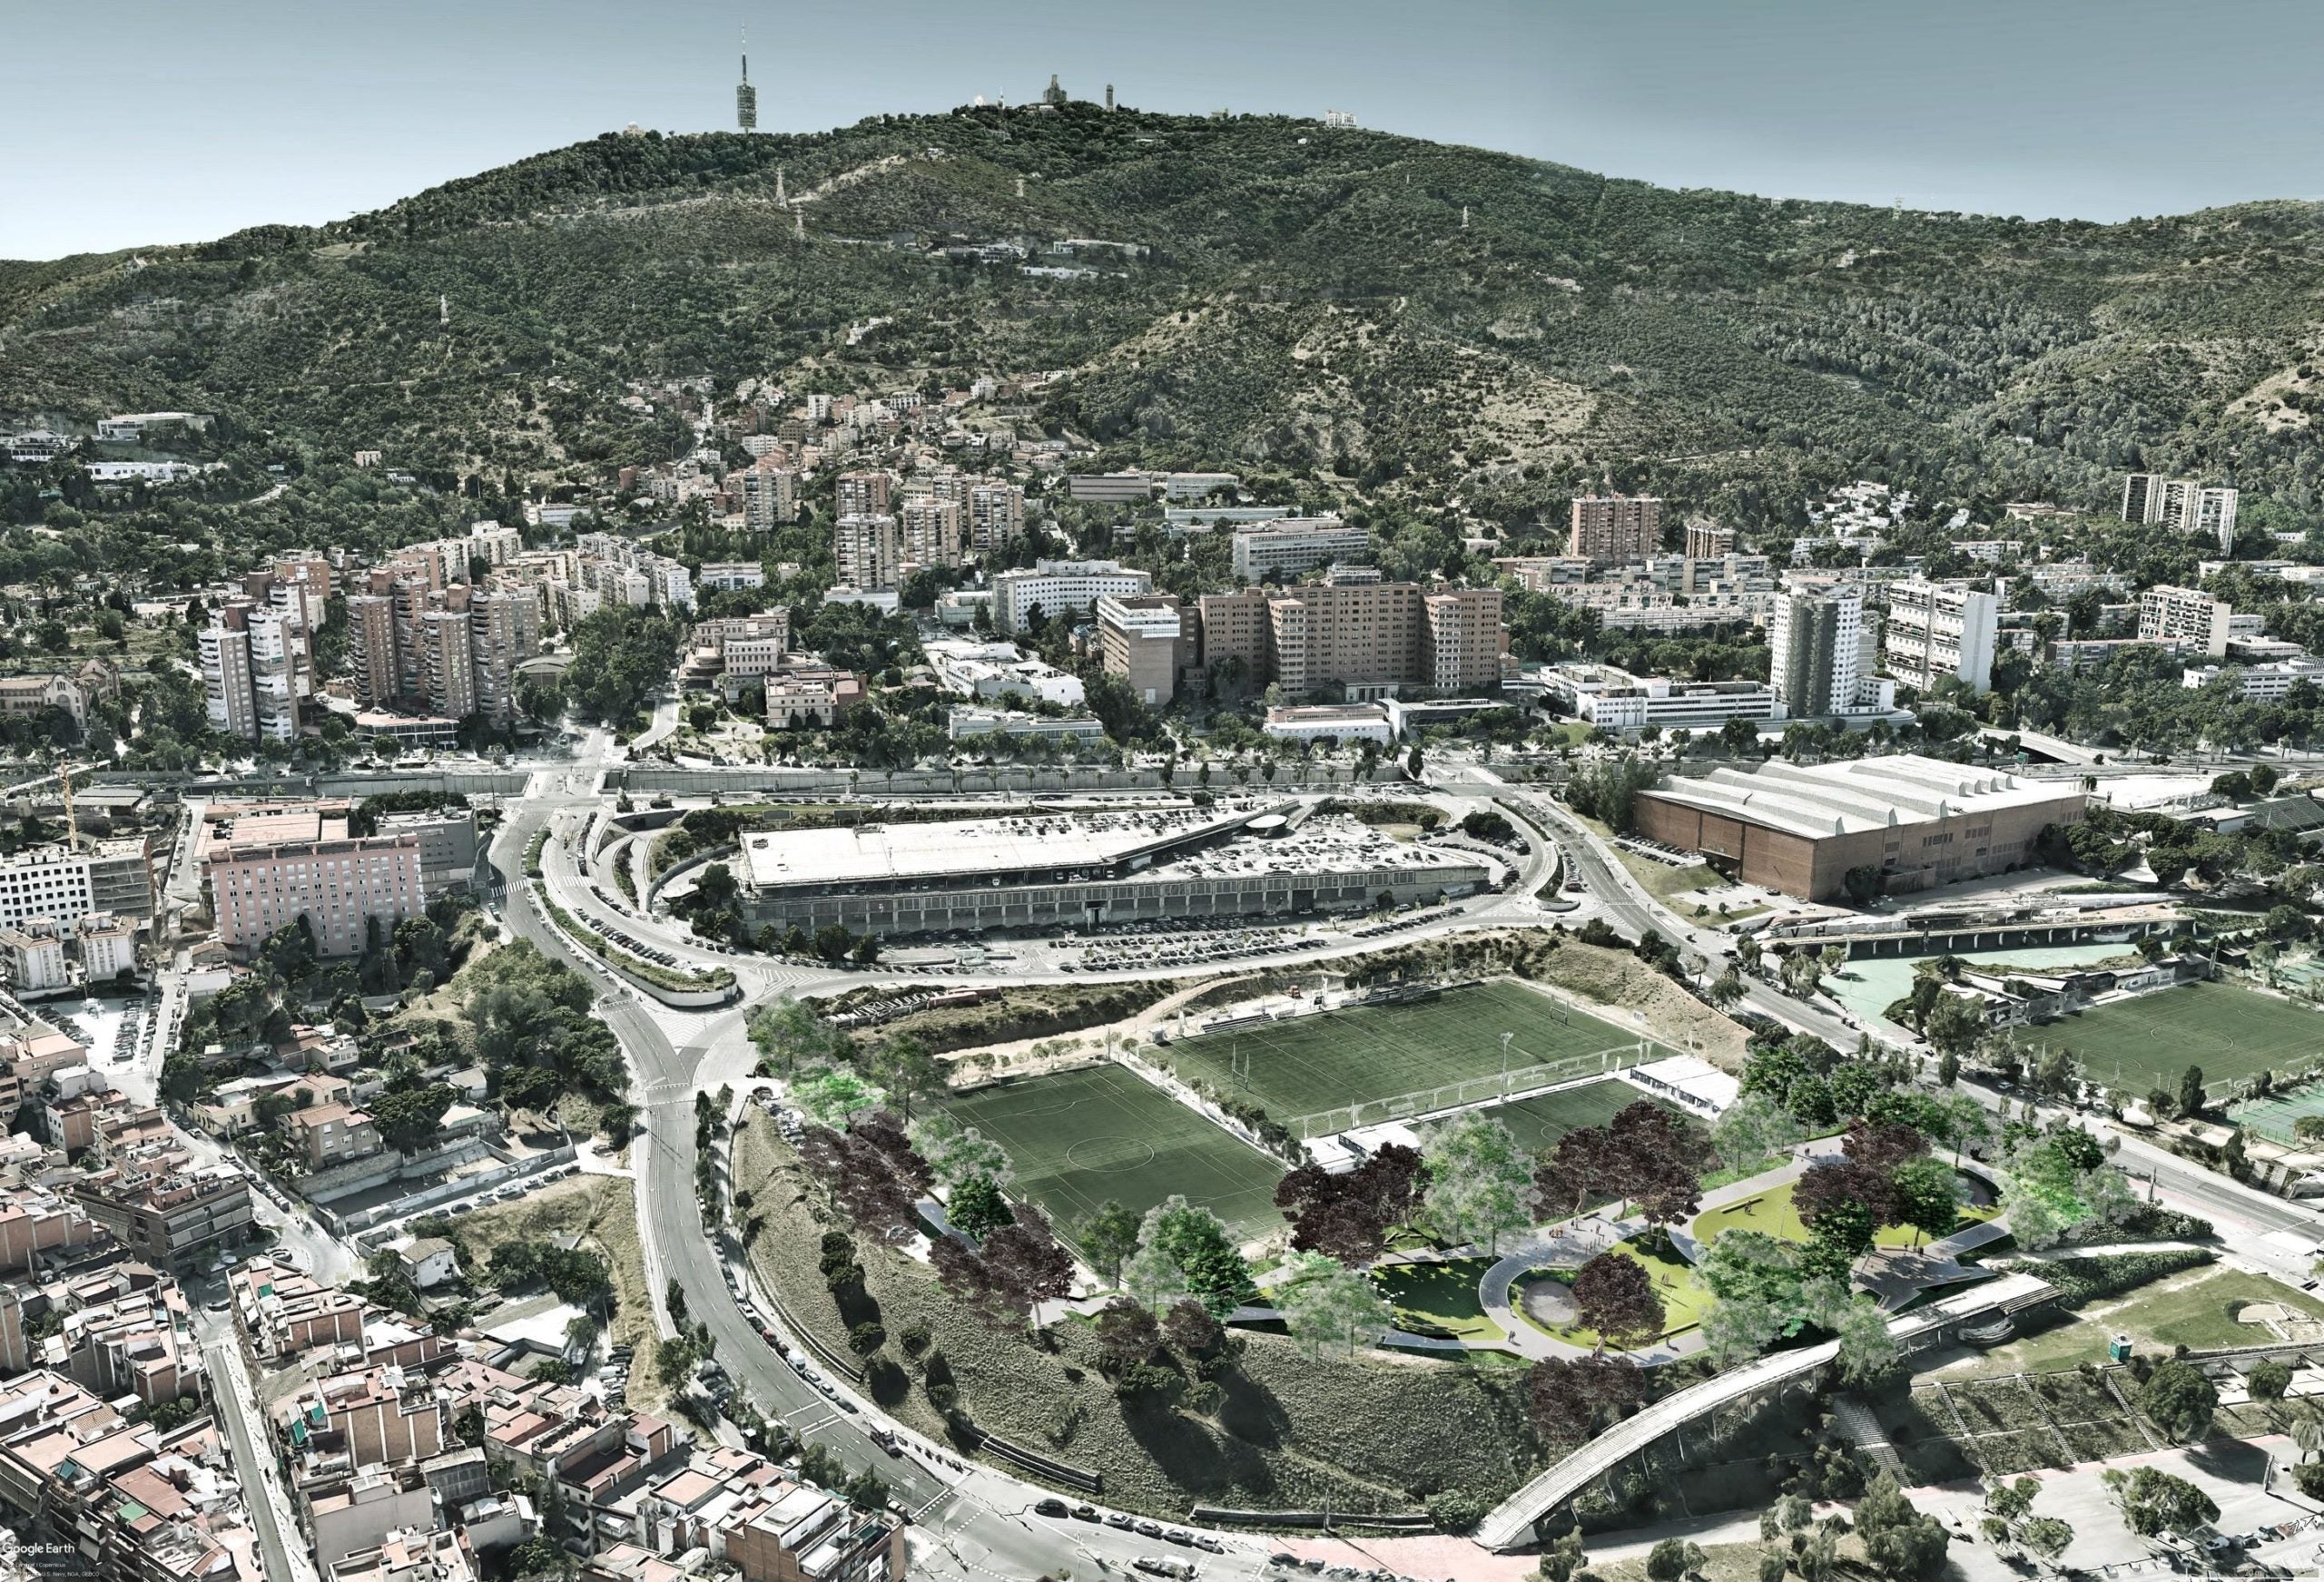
(1538, 1122)
(1080, 1137)
(1368, 1054)
(2149, 1041)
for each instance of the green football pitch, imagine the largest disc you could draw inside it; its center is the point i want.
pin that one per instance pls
(1372, 1056)
(2148, 1040)
(1078, 1138)
(1538, 1122)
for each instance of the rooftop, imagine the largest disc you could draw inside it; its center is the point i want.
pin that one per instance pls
(1865, 794)
(963, 847)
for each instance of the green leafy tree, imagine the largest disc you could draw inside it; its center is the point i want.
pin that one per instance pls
(2154, 1501)
(2179, 1400)
(1197, 1245)
(1901, 1543)
(2191, 1091)
(1479, 1182)
(2268, 1382)
(1108, 1236)
(977, 1207)
(1928, 1194)
(411, 1119)
(1325, 1303)
(831, 1099)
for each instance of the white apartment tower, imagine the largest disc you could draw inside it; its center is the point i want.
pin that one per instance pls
(2187, 617)
(372, 649)
(770, 498)
(864, 547)
(225, 650)
(448, 663)
(1821, 659)
(2187, 505)
(1940, 629)
(250, 661)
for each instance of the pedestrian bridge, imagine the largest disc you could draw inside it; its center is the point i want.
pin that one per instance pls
(1511, 1524)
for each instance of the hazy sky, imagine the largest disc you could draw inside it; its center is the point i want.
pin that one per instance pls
(138, 121)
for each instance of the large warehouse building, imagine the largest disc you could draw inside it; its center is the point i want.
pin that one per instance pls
(1047, 869)
(1920, 821)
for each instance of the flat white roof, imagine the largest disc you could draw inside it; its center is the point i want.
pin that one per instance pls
(1859, 794)
(962, 847)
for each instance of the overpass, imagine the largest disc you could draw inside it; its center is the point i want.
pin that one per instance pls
(1511, 1524)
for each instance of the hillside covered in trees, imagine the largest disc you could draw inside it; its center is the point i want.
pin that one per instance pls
(1422, 326)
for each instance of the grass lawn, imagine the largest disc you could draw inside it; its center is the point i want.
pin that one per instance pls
(1539, 1122)
(2196, 1309)
(1439, 1298)
(1377, 1055)
(2150, 1040)
(1685, 1298)
(1774, 1212)
(1080, 1137)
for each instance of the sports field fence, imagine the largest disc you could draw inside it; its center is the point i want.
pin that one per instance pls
(1492, 1088)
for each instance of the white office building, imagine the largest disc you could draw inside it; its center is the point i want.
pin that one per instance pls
(1940, 629)
(1294, 545)
(1054, 587)
(1616, 701)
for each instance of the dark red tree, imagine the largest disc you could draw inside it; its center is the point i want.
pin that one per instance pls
(1190, 1327)
(1659, 1160)
(1616, 1297)
(1127, 1334)
(1580, 1169)
(1349, 1216)
(1024, 1266)
(876, 1177)
(1573, 1400)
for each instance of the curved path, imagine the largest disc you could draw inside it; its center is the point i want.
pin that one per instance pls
(1511, 1524)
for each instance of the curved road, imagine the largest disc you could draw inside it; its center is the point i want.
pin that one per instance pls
(970, 1522)
(977, 1520)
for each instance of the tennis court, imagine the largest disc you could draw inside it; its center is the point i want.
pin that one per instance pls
(1077, 1138)
(1538, 1122)
(2148, 1040)
(2274, 1118)
(1368, 1056)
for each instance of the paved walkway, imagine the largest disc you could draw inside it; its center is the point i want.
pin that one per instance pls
(1572, 1243)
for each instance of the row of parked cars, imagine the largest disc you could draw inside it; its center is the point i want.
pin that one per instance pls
(1133, 1524)
(1289, 1562)
(615, 1376)
(1222, 945)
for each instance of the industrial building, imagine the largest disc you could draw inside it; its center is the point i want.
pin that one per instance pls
(1917, 823)
(1078, 870)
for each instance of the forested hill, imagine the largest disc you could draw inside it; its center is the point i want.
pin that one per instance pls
(1311, 303)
